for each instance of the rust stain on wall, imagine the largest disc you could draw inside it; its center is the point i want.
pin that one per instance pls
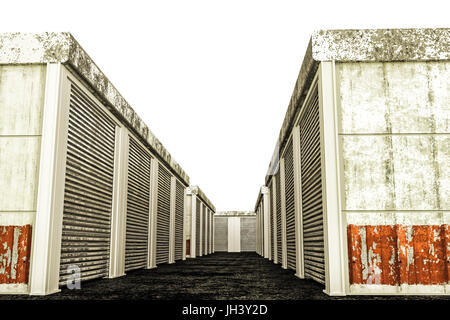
(15, 247)
(397, 254)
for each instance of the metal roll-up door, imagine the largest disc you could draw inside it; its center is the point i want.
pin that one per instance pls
(290, 206)
(197, 228)
(207, 231)
(278, 207)
(204, 230)
(211, 232)
(179, 220)
(138, 197)
(272, 243)
(220, 234)
(88, 189)
(163, 216)
(248, 234)
(312, 210)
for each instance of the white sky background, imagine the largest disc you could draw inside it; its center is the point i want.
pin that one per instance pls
(212, 79)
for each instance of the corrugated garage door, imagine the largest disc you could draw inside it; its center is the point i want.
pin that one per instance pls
(272, 244)
(163, 216)
(278, 207)
(207, 231)
(211, 234)
(220, 234)
(138, 197)
(204, 224)
(197, 228)
(312, 189)
(248, 234)
(88, 189)
(290, 206)
(179, 220)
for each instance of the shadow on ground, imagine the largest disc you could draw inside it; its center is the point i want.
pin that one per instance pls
(230, 276)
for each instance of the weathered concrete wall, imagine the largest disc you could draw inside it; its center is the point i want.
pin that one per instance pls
(21, 106)
(394, 128)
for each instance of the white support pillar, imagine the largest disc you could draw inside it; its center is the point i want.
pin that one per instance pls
(173, 191)
(283, 215)
(119, 205)
(234, 234)
(266, 218)
(334, 235)
(274, 215)
(47, 229)
(193, 225)
(151, 262)
(300, 272)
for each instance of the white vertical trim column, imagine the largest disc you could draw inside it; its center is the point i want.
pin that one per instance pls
(300, 272)
(266, 217)
(334, 239)
(274, 214)
(173, 191)
(47, 228)
(234, 234)
(151, 262)
(283, 215)
(119, 205)
(194, 225)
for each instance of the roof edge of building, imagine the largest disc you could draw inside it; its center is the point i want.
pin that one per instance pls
(61, 47)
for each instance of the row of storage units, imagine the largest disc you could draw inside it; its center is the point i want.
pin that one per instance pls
(110, 198)
(356, 194)
(235, 231)
(199, 224)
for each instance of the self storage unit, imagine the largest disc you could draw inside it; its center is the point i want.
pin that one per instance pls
(199, 223)
(86, 190)
(359, 183)
(235, 231)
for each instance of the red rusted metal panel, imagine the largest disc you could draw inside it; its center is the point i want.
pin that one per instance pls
(447, 250)
(15, 247)
(393, 255)
(354, 251)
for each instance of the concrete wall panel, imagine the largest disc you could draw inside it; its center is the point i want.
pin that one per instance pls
(21, 99)
(394, 134)
(19, 166)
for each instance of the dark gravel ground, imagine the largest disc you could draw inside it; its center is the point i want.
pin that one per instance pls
(220, 276)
